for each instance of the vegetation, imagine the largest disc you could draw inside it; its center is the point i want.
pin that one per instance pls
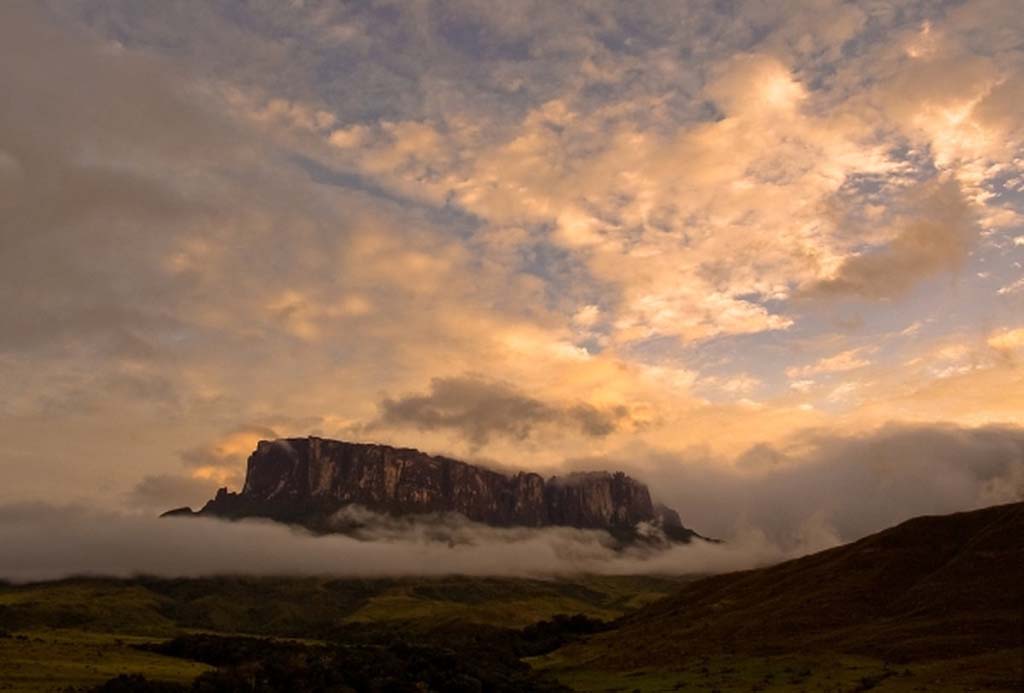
(310, 607)
(812, 672)
(456, 657)
(82, 632)
(49, 660)
(930, 605)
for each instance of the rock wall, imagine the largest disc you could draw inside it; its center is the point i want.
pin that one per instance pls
(306, 480)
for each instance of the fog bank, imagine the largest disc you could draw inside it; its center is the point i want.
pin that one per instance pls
(819, 487)
(42, 542)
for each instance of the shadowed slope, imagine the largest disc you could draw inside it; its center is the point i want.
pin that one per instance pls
(930, 588)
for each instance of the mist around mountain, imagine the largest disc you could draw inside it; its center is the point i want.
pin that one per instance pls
(44, 542)
(316, 483)
(316, 506)
(933, 604)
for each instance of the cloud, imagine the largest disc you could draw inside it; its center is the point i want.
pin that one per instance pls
(223, 461)
(936, 238)
(844, 484)
(205, 224)
(774, 502)
(44, 542)
(841, 362)
(97, 144)
(161, 492)
(1007, 341)
(479, 409)
(1012, 288)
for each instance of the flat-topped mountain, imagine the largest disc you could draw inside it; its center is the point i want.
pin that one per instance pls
(306, 481)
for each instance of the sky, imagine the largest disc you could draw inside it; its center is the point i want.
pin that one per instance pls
(764, 255)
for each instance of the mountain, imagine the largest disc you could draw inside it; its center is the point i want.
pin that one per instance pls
(929, 589)
(306, 481)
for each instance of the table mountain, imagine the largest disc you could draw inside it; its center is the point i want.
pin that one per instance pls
(306, 481)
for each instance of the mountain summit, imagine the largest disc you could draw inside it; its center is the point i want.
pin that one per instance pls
(306, 481)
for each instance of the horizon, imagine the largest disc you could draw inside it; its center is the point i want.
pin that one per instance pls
(672, 345)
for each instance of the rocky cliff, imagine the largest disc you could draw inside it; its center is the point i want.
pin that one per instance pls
(306, 481)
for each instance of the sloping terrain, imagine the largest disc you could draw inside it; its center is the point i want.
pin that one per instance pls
(311, 607)
(927, 590)
(81, 632)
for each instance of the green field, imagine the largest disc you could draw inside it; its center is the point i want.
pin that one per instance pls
(50, 660)
(80, 632)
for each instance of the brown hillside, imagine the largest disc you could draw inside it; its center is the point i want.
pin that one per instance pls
(930, 588)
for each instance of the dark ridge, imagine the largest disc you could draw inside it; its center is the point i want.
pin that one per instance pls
(930, 588)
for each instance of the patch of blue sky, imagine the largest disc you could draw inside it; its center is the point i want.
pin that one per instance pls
(568, 283)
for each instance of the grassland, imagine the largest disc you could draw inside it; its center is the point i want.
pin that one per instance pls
(510, 603)
(932, 604)
(79, 632)
(52, 659)
(807, 673)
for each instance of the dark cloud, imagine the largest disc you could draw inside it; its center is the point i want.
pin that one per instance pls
(479, 409)
(161, 492)
(934, 237)
(823, 487)
(103, 153)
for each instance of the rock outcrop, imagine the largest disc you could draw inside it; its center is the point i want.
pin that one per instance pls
(306, 481)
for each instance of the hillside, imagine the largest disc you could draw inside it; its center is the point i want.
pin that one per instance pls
(83, 631)
(929, 589)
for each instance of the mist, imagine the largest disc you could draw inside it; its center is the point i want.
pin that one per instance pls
(43, 542)
(820, 489)
(772, 503)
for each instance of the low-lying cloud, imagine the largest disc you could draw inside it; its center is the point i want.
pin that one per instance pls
(822, 487)
(773, 503)
(42, 542)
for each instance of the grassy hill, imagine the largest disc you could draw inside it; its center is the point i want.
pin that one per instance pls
(312, 607)
(916, 597)
(81, 631)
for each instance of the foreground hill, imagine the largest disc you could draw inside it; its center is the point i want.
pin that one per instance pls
(928, 590)
(306, 481)
(81, 632)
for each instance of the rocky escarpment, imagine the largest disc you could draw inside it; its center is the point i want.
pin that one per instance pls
(306, 481)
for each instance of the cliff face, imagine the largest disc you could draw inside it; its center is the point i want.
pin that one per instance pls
(306, 480)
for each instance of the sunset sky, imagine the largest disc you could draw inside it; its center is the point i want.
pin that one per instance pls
(547, 235)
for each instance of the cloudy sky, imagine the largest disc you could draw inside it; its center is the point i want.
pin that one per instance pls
(764, 243)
